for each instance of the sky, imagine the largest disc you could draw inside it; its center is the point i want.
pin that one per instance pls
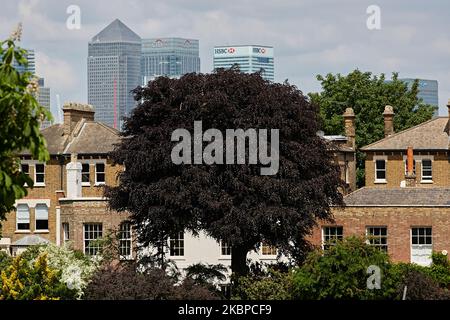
(309, 37)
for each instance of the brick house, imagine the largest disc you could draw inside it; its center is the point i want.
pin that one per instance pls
(405, 206)
(66, 202)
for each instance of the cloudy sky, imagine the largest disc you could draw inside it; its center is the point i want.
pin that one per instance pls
(310, 37)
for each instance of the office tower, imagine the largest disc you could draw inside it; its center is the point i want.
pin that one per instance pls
(44, 100)
(31, 63)
(428, 91)
(171, 57)
(249, 59)
(114, 65)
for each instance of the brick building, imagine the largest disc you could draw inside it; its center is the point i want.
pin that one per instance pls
(405, 206)
(66, 202)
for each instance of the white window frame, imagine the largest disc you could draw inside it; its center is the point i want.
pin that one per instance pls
(225, 246)
(97, 183)
(324, 241)
(380, 158)
(66, 232)
(39, 184)
(378, 245)
(98, 231)
(17, 220)
(128, 240)
(268, 248)
(86, 184)
(177, 244)
(36, 218)
(418, 244)
(428, 179)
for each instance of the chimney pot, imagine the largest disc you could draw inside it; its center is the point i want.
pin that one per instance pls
(75, 112)
(388, 116)
(349, 122)
(410, 176)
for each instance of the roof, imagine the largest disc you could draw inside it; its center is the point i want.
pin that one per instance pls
(30, 240)
(392, 197)
(88, 137)
(117, 31)
(430, 135)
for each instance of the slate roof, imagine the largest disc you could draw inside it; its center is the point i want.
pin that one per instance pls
(88, 137)
(430, 135)
(30, 240)
(373, 196)
(117, 31)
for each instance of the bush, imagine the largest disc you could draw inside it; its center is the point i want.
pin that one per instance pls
(125, 282)
(76, 269)
(25, 280)
(271, 285)
(340, 272)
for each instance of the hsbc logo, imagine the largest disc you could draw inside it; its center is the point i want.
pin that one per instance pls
(224, 51)
(259, 50)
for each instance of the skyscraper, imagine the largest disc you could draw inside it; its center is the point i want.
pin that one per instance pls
(171, 57)
(31, 63)
(44, 100)
(249, 58)
(114, 65)
(428, 91)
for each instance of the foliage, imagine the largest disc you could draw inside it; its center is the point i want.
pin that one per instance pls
(233, 203)
(75, 269)
(23, 280)
(19, 129)
(126, 282)
(419, 284)
(206, 274)
(368, 94)
(272, 285)
(340, 272)
(5, 260)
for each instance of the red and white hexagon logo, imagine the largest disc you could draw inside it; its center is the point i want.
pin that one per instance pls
(231, 50)
(263, 50)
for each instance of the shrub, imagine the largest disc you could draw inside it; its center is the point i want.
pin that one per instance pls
(23, 280)
(125, 282)
(340, 272)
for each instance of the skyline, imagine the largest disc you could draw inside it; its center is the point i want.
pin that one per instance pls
(312, 38)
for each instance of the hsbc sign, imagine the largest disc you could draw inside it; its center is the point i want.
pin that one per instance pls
(243, 51)
(224, 51)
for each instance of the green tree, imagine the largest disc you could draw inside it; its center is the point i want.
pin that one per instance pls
(340, 272)
(368, 94)
(19, 129)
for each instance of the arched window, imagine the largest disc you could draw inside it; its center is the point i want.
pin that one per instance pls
(23, 217)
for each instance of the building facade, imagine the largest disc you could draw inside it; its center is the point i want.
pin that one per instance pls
(428, 91)
(170, 57)
(44, 100)
(46, 213)
(249, 59)
(114, 66)
(405, 206)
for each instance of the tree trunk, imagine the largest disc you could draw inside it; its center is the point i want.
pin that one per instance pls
(239, 260)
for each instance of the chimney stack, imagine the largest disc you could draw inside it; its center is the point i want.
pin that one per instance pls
(74, 177)
(349, 122)
(410, 176)
(388, 115)
(74, 112)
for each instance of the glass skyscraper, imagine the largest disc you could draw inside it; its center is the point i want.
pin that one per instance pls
(114, 65)
(428, 91)
(171, 57)
(44, 100)
(249, 58)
